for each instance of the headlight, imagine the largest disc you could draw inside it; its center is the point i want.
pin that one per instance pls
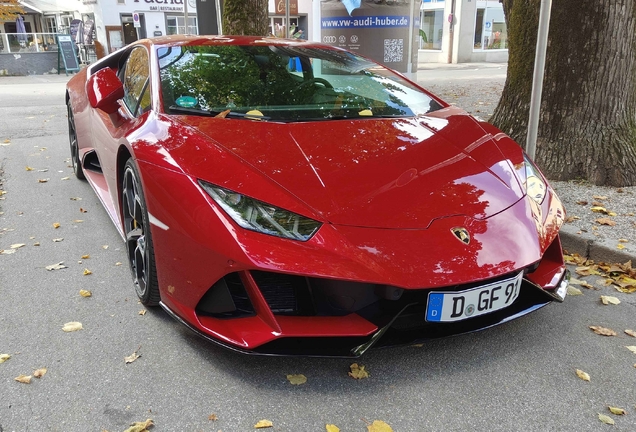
(532, 180)
(258, 216)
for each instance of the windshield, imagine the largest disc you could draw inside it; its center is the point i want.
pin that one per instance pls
(282, 83)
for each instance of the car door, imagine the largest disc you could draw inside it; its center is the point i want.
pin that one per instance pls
(111, 131)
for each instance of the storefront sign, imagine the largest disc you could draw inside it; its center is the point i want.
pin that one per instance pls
(377, 30)
(280, 7)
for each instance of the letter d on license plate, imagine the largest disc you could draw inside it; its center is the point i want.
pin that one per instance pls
(448, 306)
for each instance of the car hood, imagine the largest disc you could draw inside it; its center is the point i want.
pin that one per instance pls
(381, 173)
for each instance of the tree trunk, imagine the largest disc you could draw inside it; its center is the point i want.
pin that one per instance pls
(587, 127)
(245, 17)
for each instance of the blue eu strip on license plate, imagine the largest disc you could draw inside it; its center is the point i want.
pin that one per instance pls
(455, 306)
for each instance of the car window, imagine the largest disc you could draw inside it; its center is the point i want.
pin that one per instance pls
(136, 74)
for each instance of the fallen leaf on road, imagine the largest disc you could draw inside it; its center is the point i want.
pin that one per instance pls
(43, 180)
(140, 426)
(620, 246)
(78, 220)
(7, 141)
(379, 426)
(83, 210)
(142, 312)
(57, 240)
(610, 300)
(86, 256)
(57, 266)
(332, 428)
(56, 225)
(358, 372)
(105, 247)
(87, 272)
(65, 178)
(263, 424)
(617, 411)
(4, 357)
(632, 333)
(7, 251)
(603, 331)
(28, 168)
(85, 293)
(599, 209)
(583, 375)
(297, 379)
(605, 419)
(574, 291)
(76, 199)
(632, 348)
(131, 358)
(213, 417)
(17, 245)
(599, 197)
(72, 326)
(605, 221)
(24, 379)
(582, 283)
(581, 202)
(39, 373)
(117, 263)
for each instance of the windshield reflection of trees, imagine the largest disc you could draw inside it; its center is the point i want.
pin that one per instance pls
(243, 78)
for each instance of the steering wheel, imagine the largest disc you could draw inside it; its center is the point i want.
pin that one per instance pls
(315, 80)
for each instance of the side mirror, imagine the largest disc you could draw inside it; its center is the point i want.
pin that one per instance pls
(104, 89)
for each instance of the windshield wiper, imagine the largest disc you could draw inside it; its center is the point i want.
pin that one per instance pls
(217, 113)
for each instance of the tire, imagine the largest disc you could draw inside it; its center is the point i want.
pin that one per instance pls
(72, 138)
(139, 248)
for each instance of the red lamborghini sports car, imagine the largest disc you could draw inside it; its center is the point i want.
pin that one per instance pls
(285, 197)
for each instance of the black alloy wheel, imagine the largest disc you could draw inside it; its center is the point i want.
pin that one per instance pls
(141, 256)
(72, 137)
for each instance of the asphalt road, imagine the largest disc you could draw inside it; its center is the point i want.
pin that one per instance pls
(516, 377)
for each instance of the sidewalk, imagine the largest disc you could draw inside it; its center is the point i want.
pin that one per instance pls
(477, 87)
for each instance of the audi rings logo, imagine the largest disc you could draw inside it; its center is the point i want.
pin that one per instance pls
(329, 39)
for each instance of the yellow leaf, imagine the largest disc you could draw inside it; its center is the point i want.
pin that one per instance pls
(4, 357)
(140, 426)
(17, 245)
(72, 326)
(611, 213)
(379, 426)
(297, 379)
(213, 417)
(583, 375)
(605, 419)
(85, 293)
(610, 300)
(7, 141)
(131, 358)
(603, 331)
(632, 333)
(620, 246)
(332, 428)
(617, 411)
(358, 372)
(599, 209)
(87, 272)
(56, 225)
(142, 312)
(263, 424)
(86, 256)
(632, 348)
(39, 373)
(574, 291)
(78, 220)
(24, 379)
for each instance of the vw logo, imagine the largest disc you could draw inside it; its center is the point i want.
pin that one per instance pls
(329, 39)
(342, 39)
(354, 39)
(461, 234)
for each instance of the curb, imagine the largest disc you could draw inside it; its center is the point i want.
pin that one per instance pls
(594, 248)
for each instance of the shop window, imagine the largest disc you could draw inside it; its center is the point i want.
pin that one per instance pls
(277, 26)
(176, 25)
(51, 24)
(431, 31)
(490, 29)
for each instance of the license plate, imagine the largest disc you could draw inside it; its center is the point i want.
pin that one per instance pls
(456, 306)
